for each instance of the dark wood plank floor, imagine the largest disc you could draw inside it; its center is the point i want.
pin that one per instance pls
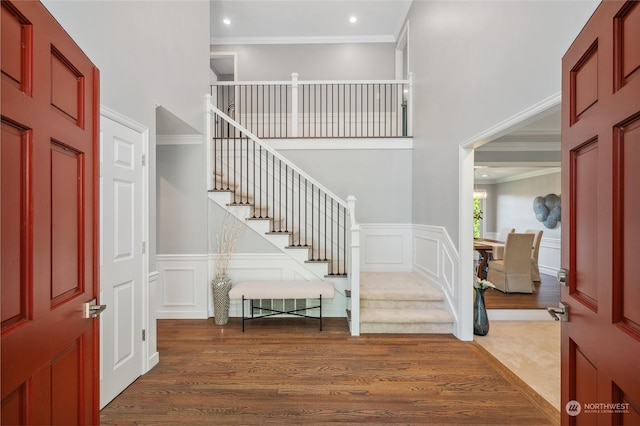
(284, 371)
(547, 294)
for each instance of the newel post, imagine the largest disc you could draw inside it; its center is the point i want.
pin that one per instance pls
(294, 104)
(209, 136)
(354, 267)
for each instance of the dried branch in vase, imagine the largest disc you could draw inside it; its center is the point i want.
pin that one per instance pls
(227, 240)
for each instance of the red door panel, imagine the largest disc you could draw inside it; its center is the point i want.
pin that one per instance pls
(601, 153)
(49, 221)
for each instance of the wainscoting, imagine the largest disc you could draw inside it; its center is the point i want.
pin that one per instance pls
(386, 247)
(182, 286)
(184, 291)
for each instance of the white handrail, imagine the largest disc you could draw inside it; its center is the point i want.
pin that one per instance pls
(303, 82)
(276, 154)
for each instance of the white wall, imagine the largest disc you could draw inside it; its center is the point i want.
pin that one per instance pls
(276, 62)
(476, 64)
(380, 179)
(512, 205)
(148, 53)
(182, 200)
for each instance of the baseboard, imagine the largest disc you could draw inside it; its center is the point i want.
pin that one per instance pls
(153, 361)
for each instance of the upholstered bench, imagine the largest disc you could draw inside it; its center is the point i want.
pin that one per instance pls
(251, 290)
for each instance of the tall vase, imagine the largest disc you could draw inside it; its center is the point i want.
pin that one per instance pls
(220, 287)
(480, 318)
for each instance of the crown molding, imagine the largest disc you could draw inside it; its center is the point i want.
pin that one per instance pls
(520, 146)
(302, 40)
(527, 175)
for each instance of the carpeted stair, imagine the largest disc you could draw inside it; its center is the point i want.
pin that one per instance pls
(402, 302)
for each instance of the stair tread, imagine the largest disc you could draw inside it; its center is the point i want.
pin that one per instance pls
(397, 286)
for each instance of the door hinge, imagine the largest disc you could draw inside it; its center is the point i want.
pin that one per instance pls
(144, 247)
(144, 335)
(144, 159)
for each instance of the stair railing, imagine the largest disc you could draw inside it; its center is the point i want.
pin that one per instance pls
(297, 204)
(319, 109)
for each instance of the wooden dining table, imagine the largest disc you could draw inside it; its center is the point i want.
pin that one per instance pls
(485, 247)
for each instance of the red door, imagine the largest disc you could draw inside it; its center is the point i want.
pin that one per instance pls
(49, 219)
(601, 219)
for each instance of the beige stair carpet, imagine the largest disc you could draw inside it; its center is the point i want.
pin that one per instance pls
(401, 302)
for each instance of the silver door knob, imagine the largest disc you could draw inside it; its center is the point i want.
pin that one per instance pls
(561, 313)
(91, 309)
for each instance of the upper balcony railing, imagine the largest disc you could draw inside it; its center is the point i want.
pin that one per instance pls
(318, 109)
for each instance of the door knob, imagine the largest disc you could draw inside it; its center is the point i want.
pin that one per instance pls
(561, 313)
(91, 309)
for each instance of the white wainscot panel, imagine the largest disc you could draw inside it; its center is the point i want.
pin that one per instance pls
(179, 286)
(427, 254)
(448, 270)
(549, 255)
(183, 286)
(385, 247)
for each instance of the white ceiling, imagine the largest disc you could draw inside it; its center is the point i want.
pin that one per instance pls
(306, 21)
(327, 21)
(530, 151)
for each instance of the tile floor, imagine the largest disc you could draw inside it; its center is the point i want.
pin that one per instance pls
(531, 349)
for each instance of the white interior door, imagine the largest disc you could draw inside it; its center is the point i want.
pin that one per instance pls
(121, 257)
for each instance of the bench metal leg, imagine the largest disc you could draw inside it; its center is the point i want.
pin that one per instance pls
(243, 313)
(278, 312)
(321, 312)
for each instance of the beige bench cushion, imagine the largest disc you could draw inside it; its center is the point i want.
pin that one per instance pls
(282, 290)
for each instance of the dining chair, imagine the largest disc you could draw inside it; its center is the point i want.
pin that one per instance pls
(513, 273)
(535, 270)
(498, 252)
(502, 236)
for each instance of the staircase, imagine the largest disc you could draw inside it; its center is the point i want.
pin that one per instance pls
(296, 214)
(317, 229)
(401, 302)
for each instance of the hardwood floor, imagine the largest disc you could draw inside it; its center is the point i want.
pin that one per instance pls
(284, 371)
(547, 294)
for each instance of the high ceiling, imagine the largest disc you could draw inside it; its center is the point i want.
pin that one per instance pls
(306, 21)
(534, 149)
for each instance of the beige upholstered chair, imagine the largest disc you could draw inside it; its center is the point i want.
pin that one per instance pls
(535, 270)
(502, 236)
(498, 252)
(513, 273)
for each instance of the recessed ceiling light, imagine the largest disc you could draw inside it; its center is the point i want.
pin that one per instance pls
(353, 19)
(485, 175)
(226, 21)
